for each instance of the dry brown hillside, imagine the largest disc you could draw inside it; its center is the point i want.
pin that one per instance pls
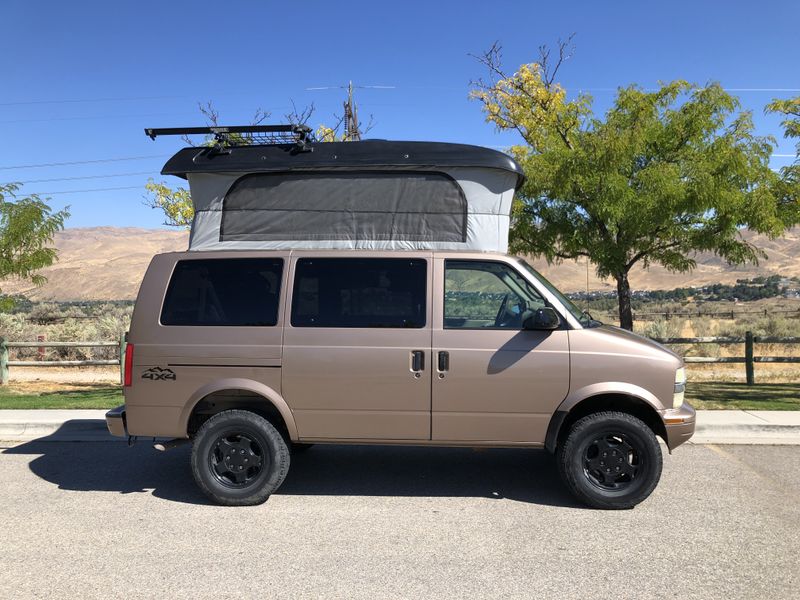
(107, 263)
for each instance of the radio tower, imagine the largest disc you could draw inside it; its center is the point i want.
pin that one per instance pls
(351, 130)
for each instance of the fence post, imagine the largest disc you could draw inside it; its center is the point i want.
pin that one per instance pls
(748, 357)
(3, 361)
(40, 350)
(122, 344)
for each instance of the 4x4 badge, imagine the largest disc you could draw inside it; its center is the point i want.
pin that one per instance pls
(159, 374)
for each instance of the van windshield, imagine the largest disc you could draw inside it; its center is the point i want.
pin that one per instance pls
(583, 317)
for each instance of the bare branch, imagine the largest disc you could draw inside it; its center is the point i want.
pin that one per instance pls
(211, 115)
(565, 51)
(370, 125)
(302, 117)
(492, 59)
(259, 116)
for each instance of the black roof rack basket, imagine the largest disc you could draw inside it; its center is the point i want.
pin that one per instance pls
(244, 135)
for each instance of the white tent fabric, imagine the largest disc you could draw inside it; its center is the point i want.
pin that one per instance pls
(488, 193)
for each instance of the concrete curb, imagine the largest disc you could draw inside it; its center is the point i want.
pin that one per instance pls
(713, 427)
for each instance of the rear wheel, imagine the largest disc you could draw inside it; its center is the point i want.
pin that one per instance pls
(239, 458)
(610, 460)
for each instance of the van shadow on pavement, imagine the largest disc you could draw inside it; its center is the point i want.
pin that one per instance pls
(523, 475)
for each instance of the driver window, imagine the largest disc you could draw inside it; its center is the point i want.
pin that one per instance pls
(486, 295)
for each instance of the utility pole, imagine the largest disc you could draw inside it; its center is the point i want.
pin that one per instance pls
(351, 130)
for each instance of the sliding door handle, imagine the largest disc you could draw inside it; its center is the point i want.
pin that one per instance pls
(444, 361)
(417, 361)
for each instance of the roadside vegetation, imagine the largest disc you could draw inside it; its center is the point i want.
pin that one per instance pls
(733, 396)
(64, 395)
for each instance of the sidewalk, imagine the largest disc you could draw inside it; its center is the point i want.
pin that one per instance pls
(713, 426)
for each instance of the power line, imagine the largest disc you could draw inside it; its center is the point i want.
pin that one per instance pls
(87, 177)
(82, 100)
(83, 162)
(91, 118)
(110, 189)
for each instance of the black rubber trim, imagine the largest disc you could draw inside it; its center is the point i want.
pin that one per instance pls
(556, 421)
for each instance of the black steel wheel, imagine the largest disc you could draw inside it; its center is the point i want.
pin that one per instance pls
(610, 460)
(239, 458)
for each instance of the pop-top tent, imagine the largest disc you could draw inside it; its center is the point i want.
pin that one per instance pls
(375, 194)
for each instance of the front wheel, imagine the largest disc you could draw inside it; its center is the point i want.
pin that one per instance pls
(239, 458)
(610, 460)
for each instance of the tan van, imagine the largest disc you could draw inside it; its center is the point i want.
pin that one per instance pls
(254, 353)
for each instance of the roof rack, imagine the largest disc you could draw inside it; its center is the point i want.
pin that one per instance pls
(244, 135)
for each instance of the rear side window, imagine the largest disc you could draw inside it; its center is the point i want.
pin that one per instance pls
(224, 292)
(355, 292)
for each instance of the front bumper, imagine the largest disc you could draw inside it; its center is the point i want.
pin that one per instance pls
(679, 424)
(116, 422)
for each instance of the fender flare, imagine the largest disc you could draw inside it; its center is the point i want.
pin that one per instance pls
(242, 384)
(576, 397)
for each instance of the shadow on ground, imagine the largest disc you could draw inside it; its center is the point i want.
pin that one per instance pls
(522, 475)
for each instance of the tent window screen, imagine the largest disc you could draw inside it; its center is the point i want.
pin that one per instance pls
(363, 205)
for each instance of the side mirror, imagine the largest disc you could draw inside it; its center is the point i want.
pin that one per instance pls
(544, 319)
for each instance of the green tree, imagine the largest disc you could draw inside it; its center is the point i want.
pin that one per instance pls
(662, 175)
(790, 174)
(27, 227)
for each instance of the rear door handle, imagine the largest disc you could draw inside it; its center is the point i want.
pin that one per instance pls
(444, 361)
(417, 361)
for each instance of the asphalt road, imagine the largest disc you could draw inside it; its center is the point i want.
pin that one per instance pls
(104, 520)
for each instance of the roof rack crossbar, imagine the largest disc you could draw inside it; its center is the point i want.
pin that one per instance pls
(243, 135)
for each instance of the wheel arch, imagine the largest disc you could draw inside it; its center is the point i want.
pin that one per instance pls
(639, 403)
(239, 393)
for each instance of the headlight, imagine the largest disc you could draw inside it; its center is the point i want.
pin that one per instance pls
(680, 387)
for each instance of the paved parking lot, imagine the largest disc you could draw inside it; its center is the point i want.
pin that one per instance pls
(104, 520)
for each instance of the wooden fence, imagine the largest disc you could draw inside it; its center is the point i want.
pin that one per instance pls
(5, 363)
(749, 359)
(790, 313)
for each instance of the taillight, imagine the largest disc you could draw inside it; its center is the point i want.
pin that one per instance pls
(128, 365)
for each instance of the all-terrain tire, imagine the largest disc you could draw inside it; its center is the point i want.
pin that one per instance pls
(239, 458)
(610, 460)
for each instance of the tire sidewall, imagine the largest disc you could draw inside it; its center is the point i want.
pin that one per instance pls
(638, 435)
(246, 423)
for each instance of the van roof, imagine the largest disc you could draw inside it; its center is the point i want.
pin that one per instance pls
(365, 154)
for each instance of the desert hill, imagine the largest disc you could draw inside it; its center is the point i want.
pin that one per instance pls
(107, 263)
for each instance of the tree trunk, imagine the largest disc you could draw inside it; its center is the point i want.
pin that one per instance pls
(624, 299)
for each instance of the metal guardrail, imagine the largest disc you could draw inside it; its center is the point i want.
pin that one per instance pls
(5, 363)
(749, 359)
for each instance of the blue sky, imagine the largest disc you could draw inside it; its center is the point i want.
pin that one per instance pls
(81, 80)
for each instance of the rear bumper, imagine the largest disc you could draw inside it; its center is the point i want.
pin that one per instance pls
(116, 422)
(679, 424)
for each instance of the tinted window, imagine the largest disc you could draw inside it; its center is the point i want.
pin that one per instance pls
(230, 292)
(355, 292)
(486, 295)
